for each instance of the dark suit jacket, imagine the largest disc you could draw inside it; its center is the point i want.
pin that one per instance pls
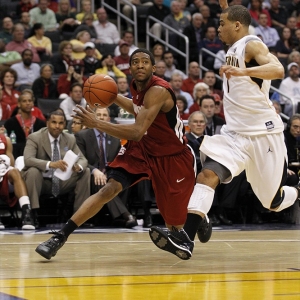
(37, 152)
(88, 144)
(13, 124)
(195, 145)
(189, 31)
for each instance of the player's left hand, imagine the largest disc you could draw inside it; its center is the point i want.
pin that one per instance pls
(86, 115)
(231, 71)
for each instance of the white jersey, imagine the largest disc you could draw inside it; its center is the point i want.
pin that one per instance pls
(247, 107)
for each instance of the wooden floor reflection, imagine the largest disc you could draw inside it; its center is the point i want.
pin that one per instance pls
(235, 264)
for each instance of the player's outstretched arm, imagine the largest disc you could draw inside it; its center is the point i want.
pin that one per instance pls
(125, 103)
(223, 4)
(156, 99)
(269, 66)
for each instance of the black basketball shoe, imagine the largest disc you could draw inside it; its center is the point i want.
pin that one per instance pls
(175, 241)
(49, 248)
(204, 231)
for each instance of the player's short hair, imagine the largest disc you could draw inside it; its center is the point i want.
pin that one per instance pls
(143, 51)
(238, 13)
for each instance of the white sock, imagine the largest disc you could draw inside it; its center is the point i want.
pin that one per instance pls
(24, 200)
(201, 198)
(290, 196)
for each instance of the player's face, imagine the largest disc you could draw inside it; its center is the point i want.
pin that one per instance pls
(197, 124)
(56, 125)
(141, 67)
(226, 30)
(295, 128)
(208, 107)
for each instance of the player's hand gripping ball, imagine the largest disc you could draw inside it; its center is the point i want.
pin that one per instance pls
(100, 90)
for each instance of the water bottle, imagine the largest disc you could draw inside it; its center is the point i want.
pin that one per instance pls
(13, 137)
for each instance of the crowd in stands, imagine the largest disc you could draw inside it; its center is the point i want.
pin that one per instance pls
(49, 48)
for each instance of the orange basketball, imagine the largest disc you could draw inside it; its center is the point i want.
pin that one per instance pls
(100, 90)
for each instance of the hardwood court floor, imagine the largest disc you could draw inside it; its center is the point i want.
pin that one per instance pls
(236, 264)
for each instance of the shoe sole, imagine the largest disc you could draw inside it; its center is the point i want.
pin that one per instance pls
(160, 239)
(205, 237)
(28, 227)
(43, 252)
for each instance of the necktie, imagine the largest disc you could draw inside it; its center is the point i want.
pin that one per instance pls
(101, 153)
(55, 180)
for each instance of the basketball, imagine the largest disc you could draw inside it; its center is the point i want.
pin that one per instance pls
(100, 90)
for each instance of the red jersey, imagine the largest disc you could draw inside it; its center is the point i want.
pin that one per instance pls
(165, 134)
(11, 200)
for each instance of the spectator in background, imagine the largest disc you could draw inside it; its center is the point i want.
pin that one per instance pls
(141, 8)
(293, 7)
(8, 58)
(109, 67)
(292, 24)
(74, 75)
(269, 35)
(5, 110)
(215, 9)
(7, 28)
(160, 70)
(42, 14)
(290, 87)
(76, 125)
(107, 32)
(19, 43)
(25, 21)
(158, 51)
(168, 58)
(122, 60)
(210, 79)
(87, 24)
(193, 78)
(10, 95)
(207, 20)
(75, 98)
(278, 14)
(42, 44)
(284, 46)
(212, 43)
(256, 9)
(78, 44)
(44, 86)
(197, 123)
(91, 60)
(23, 6)
(200, 89)
(159, 11)
(86, 8)
(214, 123)
(182, 107)
(38, 158)
(65, 18)
(195, 35)
(23, 122)
(128, 38)
(63, 59)
(177, 21)
(176, 84)
(123, 87)
(27, 71)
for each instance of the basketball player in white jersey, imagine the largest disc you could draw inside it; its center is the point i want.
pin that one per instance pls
(252, 139)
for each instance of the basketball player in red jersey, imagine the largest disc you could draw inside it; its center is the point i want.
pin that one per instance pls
(156, 150)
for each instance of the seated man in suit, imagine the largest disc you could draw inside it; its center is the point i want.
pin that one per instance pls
(44, 152)
(100, 148)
